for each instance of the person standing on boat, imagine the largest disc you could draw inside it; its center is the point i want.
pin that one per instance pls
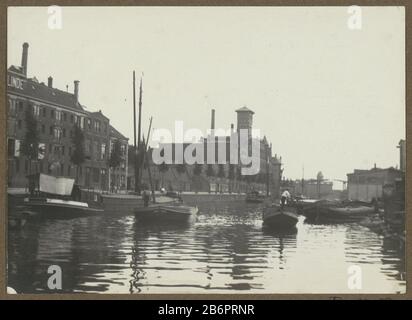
(285, 198)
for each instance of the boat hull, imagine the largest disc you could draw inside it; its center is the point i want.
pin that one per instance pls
(331, 213)
(166, 214)
(51, 210)
(125, 204)
(275, 217)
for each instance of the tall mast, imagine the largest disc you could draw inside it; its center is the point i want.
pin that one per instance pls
(136, 168)
(139, 129)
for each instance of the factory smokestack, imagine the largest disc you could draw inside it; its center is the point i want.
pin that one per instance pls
(76, 90)
(212, 125)
(24, 57)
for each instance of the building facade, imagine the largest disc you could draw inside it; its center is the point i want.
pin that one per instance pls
(221, 176)
(56, 114)
(365, 185)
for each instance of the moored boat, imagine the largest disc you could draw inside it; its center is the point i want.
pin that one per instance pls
(53, 198)
(333, 211)
(58, 208)
(278, 217)
(160, 213)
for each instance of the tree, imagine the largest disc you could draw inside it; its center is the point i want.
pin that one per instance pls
(221, 173)
(181, 168)
(30, 145)
(78, 155)
(198, 169)
(163, 168)
(115, 158)
(231, 176)
(232, 171)
(240, 177)
(210, 172)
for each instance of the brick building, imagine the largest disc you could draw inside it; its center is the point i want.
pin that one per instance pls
(57, 112)
(224, 177)
(367, 184)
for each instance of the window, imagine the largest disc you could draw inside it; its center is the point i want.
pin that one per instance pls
(41, 166)
(64, 116)
(20, 106)
(72, 118)
(43, 128)
(17, 165)
(89, 123)
(10, 147)
(96, 150)
(19, 124)
(44, 112)
(51, 130)
(63, 150)
(12, 107)
(56, 150)
(97, 125)
(50, 148)
(103, 151)
(70, 151)
(26, 166)
(36, 110)
(52, 113)
(64, 133)
(68, 170)
(57, 133)
(59, 115)
(123, 149)
(62, 169)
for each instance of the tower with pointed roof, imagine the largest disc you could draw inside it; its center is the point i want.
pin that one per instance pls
(245, 119)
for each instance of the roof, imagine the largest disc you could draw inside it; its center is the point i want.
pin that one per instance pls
(40, 91)
(17, 69)
(373, 170)
(116, 134)
(244, 109)
(99, 114)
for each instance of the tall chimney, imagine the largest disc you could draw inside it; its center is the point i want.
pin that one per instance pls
(76, 90)
(212, 126)
(232, 128)
(50, 82)
(24, 58)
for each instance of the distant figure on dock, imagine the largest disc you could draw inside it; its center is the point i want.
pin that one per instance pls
(285, 198)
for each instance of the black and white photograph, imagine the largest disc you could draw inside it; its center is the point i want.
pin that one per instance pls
(205, 150)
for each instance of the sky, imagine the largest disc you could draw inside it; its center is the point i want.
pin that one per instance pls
(329, 98)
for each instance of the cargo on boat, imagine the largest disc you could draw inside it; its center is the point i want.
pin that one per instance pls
(55, 197)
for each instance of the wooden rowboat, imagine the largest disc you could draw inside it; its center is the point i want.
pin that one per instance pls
(276, 217)
(166, 213)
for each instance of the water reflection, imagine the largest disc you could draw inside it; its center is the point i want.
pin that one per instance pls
(225, 250)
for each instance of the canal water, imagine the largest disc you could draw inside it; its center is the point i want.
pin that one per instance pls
(224, 251)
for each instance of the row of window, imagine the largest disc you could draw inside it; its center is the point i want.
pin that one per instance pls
(57, 115)
(99, 150)
(62, 169)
